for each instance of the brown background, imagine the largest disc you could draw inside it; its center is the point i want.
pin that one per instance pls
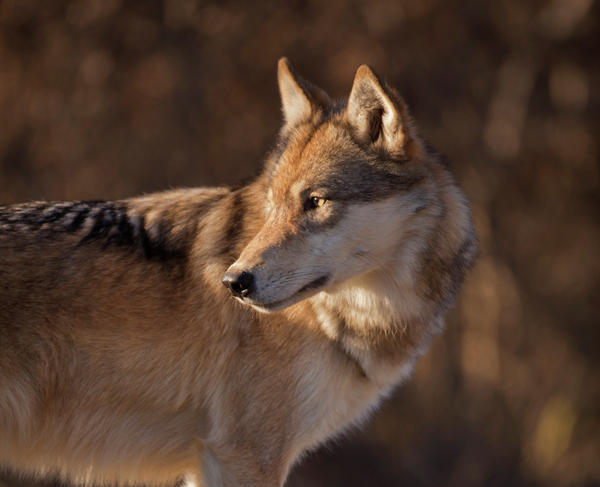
(110, 98)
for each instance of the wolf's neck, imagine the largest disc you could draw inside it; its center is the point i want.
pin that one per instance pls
(378, 320)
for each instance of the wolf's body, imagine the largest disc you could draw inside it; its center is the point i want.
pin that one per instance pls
(124, 358)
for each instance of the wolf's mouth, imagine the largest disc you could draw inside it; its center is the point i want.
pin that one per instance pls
(302, 293)
(314, 284)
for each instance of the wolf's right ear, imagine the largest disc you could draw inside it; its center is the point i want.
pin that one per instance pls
(300, 100)
(380, 117)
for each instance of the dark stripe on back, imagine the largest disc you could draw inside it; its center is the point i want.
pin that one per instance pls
(108, 223)
(78, 219)
(125, 234)
(162, 245)
(147, 246)
(104, 218)
(50, 216)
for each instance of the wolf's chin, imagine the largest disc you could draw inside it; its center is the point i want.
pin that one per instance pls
(304, 292)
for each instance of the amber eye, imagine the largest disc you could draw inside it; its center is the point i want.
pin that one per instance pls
(314, 202)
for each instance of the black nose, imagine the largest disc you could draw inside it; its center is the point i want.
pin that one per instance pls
(239, 283)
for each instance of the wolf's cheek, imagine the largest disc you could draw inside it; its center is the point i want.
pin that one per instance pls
(332, 253)
(361, 240)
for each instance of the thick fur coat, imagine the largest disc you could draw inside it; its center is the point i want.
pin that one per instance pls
(123, 357)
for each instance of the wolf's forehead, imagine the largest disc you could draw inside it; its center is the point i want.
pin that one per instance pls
(314, 153)
(327, 158)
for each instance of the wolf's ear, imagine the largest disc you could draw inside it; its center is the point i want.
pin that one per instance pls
(379, 116)
(300, 100)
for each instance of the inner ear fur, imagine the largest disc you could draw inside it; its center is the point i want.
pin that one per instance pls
(300, 100)
(380, 117)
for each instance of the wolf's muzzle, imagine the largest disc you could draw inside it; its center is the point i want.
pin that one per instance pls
(241, 284)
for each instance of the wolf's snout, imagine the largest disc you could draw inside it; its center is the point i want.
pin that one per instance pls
(239, 283)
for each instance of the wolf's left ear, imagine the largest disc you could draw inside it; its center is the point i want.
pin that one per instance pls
(380, 117)
(300, 100)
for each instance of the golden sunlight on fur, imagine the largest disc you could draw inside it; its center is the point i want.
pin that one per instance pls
(216, 334)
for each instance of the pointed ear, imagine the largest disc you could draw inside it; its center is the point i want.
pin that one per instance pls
(300, 100)
(379, 116)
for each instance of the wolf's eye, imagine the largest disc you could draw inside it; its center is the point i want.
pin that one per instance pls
(314, 202)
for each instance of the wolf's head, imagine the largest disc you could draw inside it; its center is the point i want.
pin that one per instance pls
(349, 190)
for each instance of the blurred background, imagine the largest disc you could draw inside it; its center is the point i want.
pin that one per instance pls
(103, 99)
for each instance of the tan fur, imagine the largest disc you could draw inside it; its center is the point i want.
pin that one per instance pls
(125, 360)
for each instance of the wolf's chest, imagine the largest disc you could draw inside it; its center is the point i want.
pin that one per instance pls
(335, 394)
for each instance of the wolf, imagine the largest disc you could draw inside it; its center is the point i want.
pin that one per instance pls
(216, 334)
